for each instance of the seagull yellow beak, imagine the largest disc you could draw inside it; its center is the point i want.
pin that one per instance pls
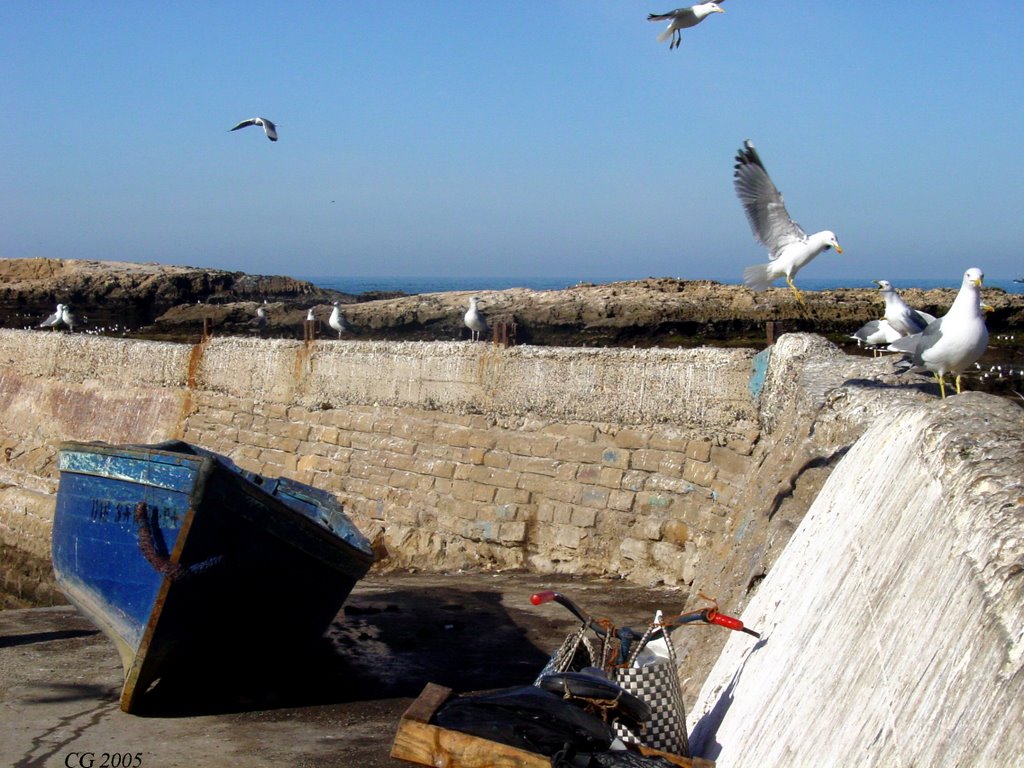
(977, 282)
(838, 249)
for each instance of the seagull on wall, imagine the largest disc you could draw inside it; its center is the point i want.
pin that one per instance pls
(475, 320)
(683, 18)
(338, 322)
(900, 315)
(789, 247)
(268, 127)
(952, 343)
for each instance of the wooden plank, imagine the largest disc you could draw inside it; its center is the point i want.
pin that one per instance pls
(427, 703)
(426, 744)
(683, 762)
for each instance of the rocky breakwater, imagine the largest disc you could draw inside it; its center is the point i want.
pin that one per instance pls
(128, 295)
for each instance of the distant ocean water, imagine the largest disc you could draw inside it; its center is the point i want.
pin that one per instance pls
(438, 284)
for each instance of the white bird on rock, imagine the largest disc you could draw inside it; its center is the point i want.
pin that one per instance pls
(901, 316)
(789, 247)
(475, 320)
(683, 18)
(952, 343)
(338, 322)
(268, 127)
(68, 317)
(55, 319)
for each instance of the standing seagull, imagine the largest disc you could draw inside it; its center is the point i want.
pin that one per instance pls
(69, 319)
(900, 315)
(789, 247)
(954, 341)
(338, 322)
(475, 321)
(55, 319)
(268, 127)
(682, 18)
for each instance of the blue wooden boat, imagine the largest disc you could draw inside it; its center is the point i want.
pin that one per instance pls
(173, 550)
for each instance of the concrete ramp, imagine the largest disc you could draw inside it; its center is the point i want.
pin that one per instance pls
(892, 623)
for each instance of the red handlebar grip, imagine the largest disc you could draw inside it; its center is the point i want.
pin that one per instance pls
(725, 621)
(543, 597)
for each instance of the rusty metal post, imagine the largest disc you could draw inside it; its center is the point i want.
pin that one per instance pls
(504, 334)
(309, 330)
(207, 328)
(771, 331)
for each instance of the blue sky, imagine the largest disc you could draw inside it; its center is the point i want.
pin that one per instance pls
(533, 138)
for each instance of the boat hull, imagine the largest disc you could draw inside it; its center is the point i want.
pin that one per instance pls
(176, 553)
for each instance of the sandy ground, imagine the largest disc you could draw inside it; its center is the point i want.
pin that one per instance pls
(335, 704)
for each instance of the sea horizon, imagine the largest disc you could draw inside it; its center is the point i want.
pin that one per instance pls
(412, 285)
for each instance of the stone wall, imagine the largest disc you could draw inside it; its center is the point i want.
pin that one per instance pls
(893, 621)
(449, 455)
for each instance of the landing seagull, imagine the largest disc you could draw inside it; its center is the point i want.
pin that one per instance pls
(683, 18)
(338, 322)
(954, 341)
(789, 247)
(268, 127)
(475, 321)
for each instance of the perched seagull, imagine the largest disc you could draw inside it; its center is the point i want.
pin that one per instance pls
(900, 315)
(683, 18)
(954, 341)
(55, 319)
(69, 319)
(338, 322)
(877, 333)
(475, 321)
(260, 321)
(789, 247)
(268, 127)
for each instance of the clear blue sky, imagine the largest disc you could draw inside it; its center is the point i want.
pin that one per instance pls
(532, 137)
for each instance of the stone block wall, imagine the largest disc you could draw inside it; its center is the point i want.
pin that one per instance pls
(449, 455)
(469, 490)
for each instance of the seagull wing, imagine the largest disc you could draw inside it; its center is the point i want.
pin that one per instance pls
(246, 123)
(269, 128)
(916, 345)
(670, 15)
(763, 203)
(52, 320)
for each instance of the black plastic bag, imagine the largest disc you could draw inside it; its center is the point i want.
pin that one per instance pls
(527, 718)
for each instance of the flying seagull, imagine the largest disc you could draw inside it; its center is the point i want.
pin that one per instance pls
(338, 322)
(683, 18)
(954, 341)
(268, 127)
(789, 247)
(475, 321)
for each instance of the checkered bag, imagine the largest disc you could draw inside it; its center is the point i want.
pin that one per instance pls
(658, 685)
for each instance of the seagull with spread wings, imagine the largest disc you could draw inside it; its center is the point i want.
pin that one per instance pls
(268, 127)
(683, 18)
(789, 247)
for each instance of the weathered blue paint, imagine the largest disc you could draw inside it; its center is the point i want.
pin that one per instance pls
(760, 371)
(212, 547)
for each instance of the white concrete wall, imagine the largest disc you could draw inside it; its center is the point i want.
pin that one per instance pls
(893, 622)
